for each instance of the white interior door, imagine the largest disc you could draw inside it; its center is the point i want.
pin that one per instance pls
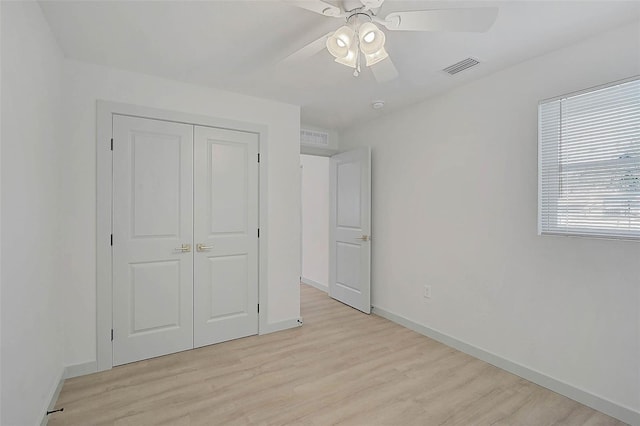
(350, 228)
(152, 237)
(226, 235)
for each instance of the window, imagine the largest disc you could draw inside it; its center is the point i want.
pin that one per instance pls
(589, 162)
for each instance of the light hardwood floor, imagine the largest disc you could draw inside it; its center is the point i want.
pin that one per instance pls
(340, 367)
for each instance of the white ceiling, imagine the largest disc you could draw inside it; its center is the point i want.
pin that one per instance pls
(236, 45)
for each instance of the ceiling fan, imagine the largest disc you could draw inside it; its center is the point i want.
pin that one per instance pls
(360, 37)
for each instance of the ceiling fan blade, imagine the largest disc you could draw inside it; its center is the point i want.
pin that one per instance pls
(308, 50)
(384, 70)
(317, 6)
(463, 20)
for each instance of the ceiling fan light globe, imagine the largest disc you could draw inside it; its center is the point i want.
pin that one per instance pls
(371, 38)
(350, 60)
(376, 57)
(339, 43)
(346, 34)
(344, 61)
(335, 49)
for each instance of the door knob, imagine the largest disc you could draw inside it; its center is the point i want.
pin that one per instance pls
(185, 248)
(202, 247)
(363, 238)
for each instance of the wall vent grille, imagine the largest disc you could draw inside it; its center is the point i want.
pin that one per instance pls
(461, 66)
(314, 137)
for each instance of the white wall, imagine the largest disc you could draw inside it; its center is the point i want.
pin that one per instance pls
(315, 219)
(455, 205)
(32, 349)
(83, 85)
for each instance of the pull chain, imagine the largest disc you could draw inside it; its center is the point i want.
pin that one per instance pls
(356, 72)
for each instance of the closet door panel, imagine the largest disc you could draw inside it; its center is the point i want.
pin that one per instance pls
(152, 238)
(225, 235)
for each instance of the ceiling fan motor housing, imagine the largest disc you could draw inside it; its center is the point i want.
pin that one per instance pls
(351, 5)
(372, 4)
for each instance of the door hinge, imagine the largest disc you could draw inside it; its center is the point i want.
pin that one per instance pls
(258, 232)
(258, 157)
(112, 334)
(111, 144)
(112, 239)
(258, 308)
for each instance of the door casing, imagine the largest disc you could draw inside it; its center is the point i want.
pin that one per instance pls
(104, 202)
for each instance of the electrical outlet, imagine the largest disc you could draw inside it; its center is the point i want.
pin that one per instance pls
(427, 292)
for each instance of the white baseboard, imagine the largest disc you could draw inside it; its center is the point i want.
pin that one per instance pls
(282, 325)
(316, 284)
(83, 369)
(610, 408)
(53, 399)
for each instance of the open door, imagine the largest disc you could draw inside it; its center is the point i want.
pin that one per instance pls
(350, 228)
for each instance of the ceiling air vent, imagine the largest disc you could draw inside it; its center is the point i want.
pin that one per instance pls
(313, 137)
(461, 66)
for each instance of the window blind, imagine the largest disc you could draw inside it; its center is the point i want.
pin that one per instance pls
(589, 163)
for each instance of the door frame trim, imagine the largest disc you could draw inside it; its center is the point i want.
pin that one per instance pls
(104, 208)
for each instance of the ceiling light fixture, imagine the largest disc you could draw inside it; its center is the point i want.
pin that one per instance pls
(348, 41)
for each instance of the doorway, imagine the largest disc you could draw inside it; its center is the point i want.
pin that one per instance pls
(206, 244)
(315, 221)
(185, 246)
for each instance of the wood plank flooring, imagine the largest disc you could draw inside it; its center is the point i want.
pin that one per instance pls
(340, 367)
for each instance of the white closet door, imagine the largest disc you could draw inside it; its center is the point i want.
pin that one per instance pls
(152, 237)
(225, 235)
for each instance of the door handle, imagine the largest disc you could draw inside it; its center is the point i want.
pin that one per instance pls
(363, 238)
(185, 248)
(202, 247)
